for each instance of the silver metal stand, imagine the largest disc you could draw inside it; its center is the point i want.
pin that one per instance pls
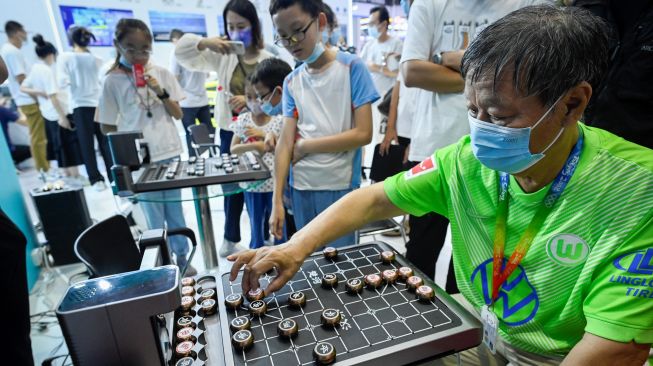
(205, 226)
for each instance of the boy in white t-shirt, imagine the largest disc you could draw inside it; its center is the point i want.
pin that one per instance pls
(124, 106)
(327, 117)
(249, 134)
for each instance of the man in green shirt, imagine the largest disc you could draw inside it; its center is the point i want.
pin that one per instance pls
(551, 220)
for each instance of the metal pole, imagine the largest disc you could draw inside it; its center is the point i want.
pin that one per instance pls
(205, 226)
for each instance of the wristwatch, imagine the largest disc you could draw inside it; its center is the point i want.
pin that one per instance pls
(163, 96)
(437, 58)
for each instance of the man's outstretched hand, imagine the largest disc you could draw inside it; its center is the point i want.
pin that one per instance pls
(286, 258)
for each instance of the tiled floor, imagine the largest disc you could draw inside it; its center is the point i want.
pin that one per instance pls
(47, 340)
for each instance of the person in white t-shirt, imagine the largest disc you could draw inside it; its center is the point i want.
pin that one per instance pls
(194, 52)
(18, 69)
(249, 133)
(196, 104)
(80, 70)
(378, 54)
(41, 82)
(125, 106)
(438, 34)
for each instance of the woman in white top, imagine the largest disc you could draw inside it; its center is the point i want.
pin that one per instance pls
(215, 54)
(126, 105)
(41, 83)
(80, 70)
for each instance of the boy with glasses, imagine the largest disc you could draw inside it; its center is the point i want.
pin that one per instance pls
(327, 117)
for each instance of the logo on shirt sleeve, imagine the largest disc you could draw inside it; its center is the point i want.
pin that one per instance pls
(635, 273)
(424, 167)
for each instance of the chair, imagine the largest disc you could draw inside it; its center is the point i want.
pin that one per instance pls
(108, 247)
(201, 140)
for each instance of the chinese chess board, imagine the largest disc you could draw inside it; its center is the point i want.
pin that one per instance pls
(387, 324)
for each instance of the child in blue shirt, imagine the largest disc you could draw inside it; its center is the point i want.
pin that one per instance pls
(327, 117)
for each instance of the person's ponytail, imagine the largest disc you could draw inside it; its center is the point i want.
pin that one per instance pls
(43, 48)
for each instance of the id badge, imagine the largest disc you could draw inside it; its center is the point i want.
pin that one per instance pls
(490, 328)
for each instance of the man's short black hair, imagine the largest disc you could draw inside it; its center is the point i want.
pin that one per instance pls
(548, 49)
(312, 7)
(12, 27)
(271, 72)
(330, 16)
(384, 16)
(176, 33)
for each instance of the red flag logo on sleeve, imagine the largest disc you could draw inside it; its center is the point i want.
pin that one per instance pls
(422, 168)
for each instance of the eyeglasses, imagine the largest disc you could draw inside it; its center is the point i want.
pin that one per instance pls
(294, 38)
(261, 98)
(135, 52)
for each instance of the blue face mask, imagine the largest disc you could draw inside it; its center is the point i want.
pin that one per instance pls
(335, 37)
(505, 149)
(405, 6)
(373, 32)
(269, 109)
(244, 35)
(123, 61)
(318, 50)
(325, 37)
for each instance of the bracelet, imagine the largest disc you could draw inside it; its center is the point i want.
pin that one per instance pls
(164, 96)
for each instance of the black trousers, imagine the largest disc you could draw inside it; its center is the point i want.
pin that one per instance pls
(87, 128)
(202, 114)
(425, 241)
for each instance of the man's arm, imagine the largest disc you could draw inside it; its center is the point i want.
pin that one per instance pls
(432, 77)
(358, 136)
(282, 157)
(352, 211)
(391, 131)
(597, 351)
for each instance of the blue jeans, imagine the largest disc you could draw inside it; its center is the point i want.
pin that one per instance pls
(259, 208)
(233, 204)
(308, 204)
(169, 212)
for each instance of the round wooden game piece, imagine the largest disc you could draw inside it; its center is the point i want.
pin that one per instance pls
(185, 321)
(258, 307)
(330, 252)
(354, 285)
(188, 281)
(297, 300)
(287, 328)
(240, 323)
(425, 293)
(413, 282)
(208, 306)
(184, 349)
(390, 276)
(330, 317)
(329, 280)
(404, 273)
(207, 294)
(187, 291)
(324, 353)
(373, 280)
(253, 295)
(185, 334)
(233, 301)
(242, 339)
(187, 302)
(186, 361)
(387, 256)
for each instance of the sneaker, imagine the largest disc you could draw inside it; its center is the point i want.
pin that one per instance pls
(229, 247)
(99, 186)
